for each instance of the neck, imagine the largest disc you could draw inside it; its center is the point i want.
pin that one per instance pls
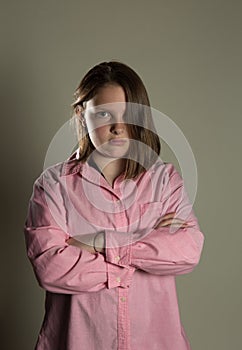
(109, 167)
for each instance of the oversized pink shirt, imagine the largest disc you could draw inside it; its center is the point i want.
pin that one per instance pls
(124, 299)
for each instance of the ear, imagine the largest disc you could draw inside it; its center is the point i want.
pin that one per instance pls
(80, 114)
(82, 120)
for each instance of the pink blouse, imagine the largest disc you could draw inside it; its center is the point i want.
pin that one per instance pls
(124, 299)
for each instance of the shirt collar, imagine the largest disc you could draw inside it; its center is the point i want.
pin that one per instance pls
(71, 165)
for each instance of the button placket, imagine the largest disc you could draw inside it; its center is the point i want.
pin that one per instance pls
(123, 320)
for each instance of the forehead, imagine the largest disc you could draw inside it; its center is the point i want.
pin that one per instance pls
(109, 94)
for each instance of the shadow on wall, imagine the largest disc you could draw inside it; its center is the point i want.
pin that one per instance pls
(21, 298)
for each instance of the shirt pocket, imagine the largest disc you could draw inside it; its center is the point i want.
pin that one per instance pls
(150, 214)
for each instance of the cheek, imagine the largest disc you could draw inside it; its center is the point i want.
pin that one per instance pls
(99, 134)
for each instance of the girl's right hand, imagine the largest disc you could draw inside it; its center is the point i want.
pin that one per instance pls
(168, 220)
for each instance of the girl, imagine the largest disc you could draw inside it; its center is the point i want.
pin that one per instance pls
(98, 229)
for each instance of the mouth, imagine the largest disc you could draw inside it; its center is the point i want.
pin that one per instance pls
(118, 141)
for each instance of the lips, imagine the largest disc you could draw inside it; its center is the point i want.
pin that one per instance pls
(118, 141)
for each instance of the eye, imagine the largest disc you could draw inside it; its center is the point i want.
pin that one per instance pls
(103, 114)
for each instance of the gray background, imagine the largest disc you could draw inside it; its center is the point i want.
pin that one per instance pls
(189, 56)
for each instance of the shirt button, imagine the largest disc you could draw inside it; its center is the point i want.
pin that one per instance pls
(118, 279)
(117, 258)
(122, 299)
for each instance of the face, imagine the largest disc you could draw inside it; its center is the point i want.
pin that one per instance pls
(103, 117)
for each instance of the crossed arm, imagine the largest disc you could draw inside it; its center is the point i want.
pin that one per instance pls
(68, 265)
(96, 242)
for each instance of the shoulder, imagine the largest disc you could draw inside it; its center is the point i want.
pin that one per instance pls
(165, 175)
(164, 169)
(56, 173)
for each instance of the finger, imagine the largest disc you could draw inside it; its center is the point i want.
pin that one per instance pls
(173, 224)
(172, 220)
(169, 215)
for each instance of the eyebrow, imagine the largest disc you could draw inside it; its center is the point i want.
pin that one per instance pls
(101, 109)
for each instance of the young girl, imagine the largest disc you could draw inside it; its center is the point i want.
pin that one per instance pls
(98, 229)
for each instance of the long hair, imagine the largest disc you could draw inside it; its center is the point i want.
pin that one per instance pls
(143, 153)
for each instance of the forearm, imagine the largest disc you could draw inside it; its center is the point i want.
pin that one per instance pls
(163, 253)
(63, 268)
(157, 251)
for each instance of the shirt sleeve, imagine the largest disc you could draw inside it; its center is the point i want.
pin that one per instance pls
(166, 250)
(59, 267)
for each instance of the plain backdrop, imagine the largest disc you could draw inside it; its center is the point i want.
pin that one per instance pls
(189, 55)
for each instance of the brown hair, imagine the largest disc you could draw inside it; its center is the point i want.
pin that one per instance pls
(142, 128)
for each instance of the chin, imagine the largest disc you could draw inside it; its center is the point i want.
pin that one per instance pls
(117, 152)
(117, 155)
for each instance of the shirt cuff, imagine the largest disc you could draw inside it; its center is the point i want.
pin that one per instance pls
(118, 276)
(118, 248)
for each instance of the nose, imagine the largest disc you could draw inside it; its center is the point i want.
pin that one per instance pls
(117, 128)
